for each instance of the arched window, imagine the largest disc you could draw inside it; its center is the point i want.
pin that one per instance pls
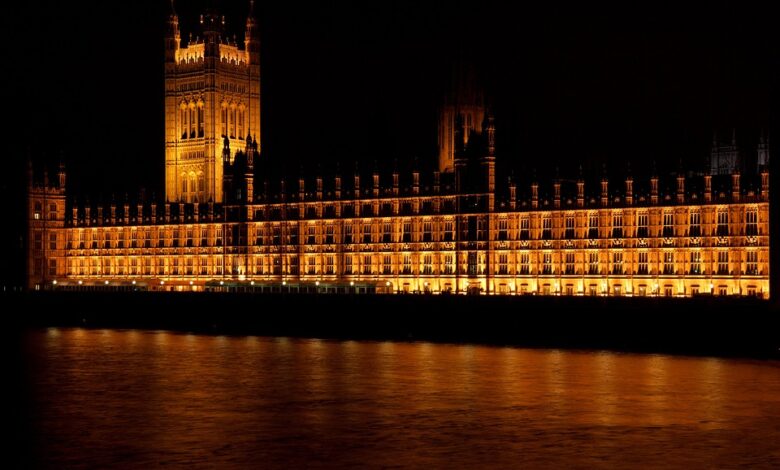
(224, 120)
(183, 122)
(192, 121)
(233, 122)
(193, 187)
(201, 124)
(241, 123)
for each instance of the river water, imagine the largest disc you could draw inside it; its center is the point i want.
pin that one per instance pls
(104, 398)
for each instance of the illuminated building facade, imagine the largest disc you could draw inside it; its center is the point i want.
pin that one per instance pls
(455, 231)
(212, 91)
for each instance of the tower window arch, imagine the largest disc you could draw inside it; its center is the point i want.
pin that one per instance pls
(191, 122)
(241, 121)
(201, 124)
(201, 186)
(183, 114)
(224, 119)
(232, 124)
(193, 188)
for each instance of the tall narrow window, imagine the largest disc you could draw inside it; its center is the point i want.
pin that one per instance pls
(617, 263)
(641, 225)
(448, 231)
(593, 262)
(407, 264)
(751, 222)
(525, 263)
(503, 224)
(668, 230)
(569, 234)
(387, 265)
(694, 229)
(547, 267)
(525, 225)
(723, 262)
(427, 264)
(593, 225)
(723, 223)
(502, 263)
(191, 123)
(695, 262)
(201, 124)
(348, 233)
(311, 236)
(407, 235)
(387, 232)
(570, 263)
(366, 232)
(183, 122)
(617, 225)
(751, 267)
(233, 123)
(329, 234)
(546, 227)
(668, 262)
(642, 263)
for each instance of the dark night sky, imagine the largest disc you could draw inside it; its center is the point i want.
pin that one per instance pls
(571, 83)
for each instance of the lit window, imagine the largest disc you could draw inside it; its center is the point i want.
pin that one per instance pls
(642, 263)
(668, 262)
(723, 262)
(593, 226)
(695, 262)
(723, 223)
(668, 230)
(547, 267)
(751, 267)
(751, 222)
(617, 263)
(525, 263)
(617, 225)
(569, 234)
(593, 262)
(570, 263)
(641, 226)
(695, 224)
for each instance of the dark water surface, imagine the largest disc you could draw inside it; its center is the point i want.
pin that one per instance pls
(100, 398)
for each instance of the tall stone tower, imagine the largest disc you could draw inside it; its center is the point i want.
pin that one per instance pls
(466, 100)
(212, 91)
(724, 155)
(45, 237)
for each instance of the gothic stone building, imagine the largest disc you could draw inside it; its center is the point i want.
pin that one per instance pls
(452, 232)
